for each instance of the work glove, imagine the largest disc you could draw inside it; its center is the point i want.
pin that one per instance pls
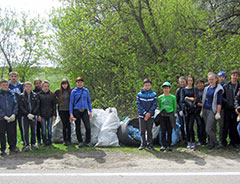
(238, 118)
(181, 113)
(217, 116)
(201, 114)
(12, 118)
(7, 118)
(31, 117)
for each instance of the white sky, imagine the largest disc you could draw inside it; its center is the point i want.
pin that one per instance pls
(41, 7)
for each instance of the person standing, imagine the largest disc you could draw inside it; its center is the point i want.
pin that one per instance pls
(63, 99)
(29, 106)
(146, 103)
(212, 103)
(8, 112)
(17, 88)
(80, 104)
(230, 117)
(167, 105)
(37, 88)
(47, 112)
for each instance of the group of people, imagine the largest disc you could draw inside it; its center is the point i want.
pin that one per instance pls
(35, 109)
(209, 105)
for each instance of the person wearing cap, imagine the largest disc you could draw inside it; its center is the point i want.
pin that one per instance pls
(146, 104)
(221, 77)
(80, 104)
(167, 105)
(230, 117)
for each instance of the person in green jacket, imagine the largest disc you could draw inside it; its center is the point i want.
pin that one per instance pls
(167, 104)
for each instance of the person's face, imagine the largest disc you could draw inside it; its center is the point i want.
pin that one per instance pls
(234, 77)
(166, 89)
(28, 88)
(182, 82)
(212, 80)
(147, 86)
(64, 85)
(13, 78)
(45, 87)
(200, 85)
(4, 86)
(38, 84)
(221, 78)
(80, 84)
(190, 81)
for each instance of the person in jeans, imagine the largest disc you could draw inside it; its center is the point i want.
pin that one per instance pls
(8, 112)
(29, 106)
(80, 103)
(146, 103)
(212, 103)
(47, 112)
(167, 105)
(63, 99)
(37, 88)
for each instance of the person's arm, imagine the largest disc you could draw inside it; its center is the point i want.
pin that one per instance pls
(15, 105)
(154, 106)
(236, 103)
(219, 101)
(141, 110)
(54, 106)
(36, 108)
(71, 105)
(21, 106)
(174, 104)
(89, 104)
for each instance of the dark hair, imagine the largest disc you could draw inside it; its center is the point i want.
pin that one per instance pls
(147, 81)
(190, 76)
(200, 80)
(13, 73)
(182, 78)
(79, 79)
(61, 99)
(37, 79)
(3, 80)
(235, 72)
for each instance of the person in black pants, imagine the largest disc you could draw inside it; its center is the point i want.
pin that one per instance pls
(29, 107)
(79, 105)
(37, 89)
(230, 117)
(8, 111)
(63, 98)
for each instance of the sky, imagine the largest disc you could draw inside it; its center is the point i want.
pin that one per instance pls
(42, 7)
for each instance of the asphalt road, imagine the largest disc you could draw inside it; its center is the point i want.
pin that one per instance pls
(123, 176)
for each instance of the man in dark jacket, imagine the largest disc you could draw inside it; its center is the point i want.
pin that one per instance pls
(29, 107)
(8, 111)
(230, 117)
(146, 103)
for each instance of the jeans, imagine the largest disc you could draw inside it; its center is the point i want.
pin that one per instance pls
(64, 115)
(46, 123)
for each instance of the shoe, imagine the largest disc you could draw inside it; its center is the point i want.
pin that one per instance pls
(80, 145)
(65, 143)
(193, 146)
(69, 143)
(33, 147)
(141, 148)
(169, 148)
(88, 144)
(14, 150)
(210, 146)
(151, 148)
(26, 149)
(162, 148)
(3, 153)
(188, 145)
(39, 144)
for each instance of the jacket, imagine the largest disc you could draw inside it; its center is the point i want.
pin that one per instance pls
(8, 103)
(237, 101)
(47, 105)
(229, 95)
(178, 98)
(24, 106)
(146, 102)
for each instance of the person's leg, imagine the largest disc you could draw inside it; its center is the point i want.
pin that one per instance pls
(191, 130)
(169, 132)
(211, 128)
(233, 129)
(64, 120)
(226, 122)
(142, 127)
(68, 125)
(44, 131)
(26, 131)
(221, 120)
(149, 125)
(187, 120)
(181, 122)
(86, 121)
(203, 131)
(3, 129)
(164, 130)
(33, 132)
(20, 125)
(11, 135)
(49, 126)
(76, 114)
(39, 128)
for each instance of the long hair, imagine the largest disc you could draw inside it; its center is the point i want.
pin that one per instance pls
(61, 99)
(190, 76)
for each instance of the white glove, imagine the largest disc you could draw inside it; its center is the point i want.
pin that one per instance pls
(238, 118)
(31, 116)
(12, 118)
(181, 113)
(217, 116)
(7, 118)
(201, 114)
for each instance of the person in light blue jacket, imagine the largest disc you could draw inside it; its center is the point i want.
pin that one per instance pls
(80, 104)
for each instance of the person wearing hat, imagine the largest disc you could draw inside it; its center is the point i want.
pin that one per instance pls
(221, 77)
(80, 104)
(167, 104)
(146, 103)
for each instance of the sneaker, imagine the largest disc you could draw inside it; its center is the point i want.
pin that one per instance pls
(80, 145)
(3, 153)
(33, 147)
(26, 149)
(188, 145)
(14, 150)
(169, 148)
(162, 148)
(151, 148)
(141, 148)
(65, 143)
(193, 146)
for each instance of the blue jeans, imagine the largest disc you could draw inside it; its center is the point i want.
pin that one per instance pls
(46, 124)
